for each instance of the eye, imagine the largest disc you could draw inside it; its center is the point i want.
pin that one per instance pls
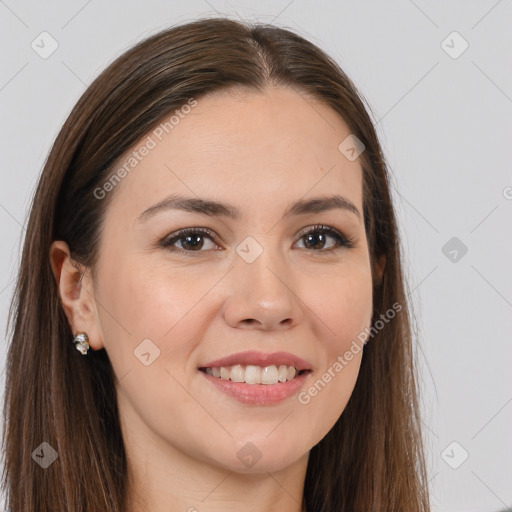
(317, 235)
(191, 239)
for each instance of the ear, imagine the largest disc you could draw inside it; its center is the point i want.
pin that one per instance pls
(76, 292)
(379, 269)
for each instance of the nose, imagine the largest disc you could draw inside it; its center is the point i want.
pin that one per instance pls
(262, 295)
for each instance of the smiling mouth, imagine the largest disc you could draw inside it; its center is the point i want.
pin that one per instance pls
(251, 374)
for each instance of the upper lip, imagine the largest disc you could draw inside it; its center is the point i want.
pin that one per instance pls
(253, 357)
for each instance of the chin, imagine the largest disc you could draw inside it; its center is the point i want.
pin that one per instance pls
(249, 459)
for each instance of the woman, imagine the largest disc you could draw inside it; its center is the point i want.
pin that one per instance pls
(213, 231)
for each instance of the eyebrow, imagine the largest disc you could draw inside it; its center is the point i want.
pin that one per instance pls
(217, 209)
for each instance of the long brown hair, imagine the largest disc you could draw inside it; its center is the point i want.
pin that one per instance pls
(371, 460)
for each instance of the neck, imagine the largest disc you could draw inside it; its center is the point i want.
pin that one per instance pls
(168, 481)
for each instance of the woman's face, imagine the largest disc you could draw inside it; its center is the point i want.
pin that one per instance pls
(256, 287)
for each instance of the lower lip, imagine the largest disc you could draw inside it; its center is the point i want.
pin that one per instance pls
(258, 394)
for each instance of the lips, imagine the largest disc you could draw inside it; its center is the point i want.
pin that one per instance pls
(258, 394)
(257, 378)
(256, 358)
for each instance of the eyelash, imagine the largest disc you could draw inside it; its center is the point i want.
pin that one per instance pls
(343, 241)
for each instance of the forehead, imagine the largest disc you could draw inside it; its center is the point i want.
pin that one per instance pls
(242, 148)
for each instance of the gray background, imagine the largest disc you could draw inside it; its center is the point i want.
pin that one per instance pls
(445, 125)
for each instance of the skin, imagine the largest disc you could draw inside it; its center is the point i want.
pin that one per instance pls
(260, 153)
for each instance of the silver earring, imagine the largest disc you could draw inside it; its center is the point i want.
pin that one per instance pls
(81, 341)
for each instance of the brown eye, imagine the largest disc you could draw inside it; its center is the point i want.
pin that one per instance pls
(191, 239)
(317, 236)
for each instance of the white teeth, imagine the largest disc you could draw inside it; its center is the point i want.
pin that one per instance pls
(252, 374)
(237, 373)
(270, 375)
(283, 373)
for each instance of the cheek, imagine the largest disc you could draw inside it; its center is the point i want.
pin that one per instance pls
(344, 311)
(345, 308)
(140, 303)
(325, 397)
